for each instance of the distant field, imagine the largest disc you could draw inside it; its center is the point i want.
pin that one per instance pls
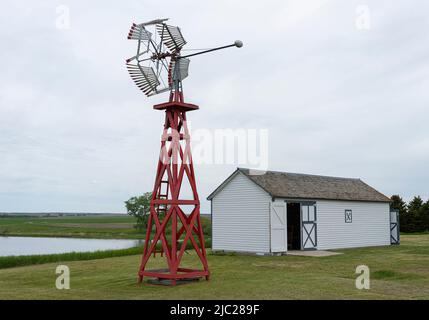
(397, 272)
(103, 227)
(119, 227)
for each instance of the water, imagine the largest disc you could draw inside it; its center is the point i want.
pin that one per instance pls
(18, 246)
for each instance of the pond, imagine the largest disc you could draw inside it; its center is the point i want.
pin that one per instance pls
(19, 246)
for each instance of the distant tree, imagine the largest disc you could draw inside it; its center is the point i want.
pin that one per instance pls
(399, 204)
(139, 207)
(415, 223)
(415, 204)
(414, 216)
(424, 215)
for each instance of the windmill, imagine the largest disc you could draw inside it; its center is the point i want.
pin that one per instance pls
(158, 66)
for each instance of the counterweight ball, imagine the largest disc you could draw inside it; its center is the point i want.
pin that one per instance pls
(238, 43)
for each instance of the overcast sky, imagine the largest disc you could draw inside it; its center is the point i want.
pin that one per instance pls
(341, 87)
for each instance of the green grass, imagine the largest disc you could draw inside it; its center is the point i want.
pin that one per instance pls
(384, 274)
(19, 261)
(101, 227)
(397, 272)
(119, 227)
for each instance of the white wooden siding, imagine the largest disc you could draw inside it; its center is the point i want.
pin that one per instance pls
(240, 213)
(370, 225)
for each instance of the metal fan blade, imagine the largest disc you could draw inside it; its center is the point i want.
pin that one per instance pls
(159, 91)
(171, 36)
(139, 33)
(144, 77)
(137, 56)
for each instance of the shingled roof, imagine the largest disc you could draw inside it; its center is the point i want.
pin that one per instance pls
(306, 186)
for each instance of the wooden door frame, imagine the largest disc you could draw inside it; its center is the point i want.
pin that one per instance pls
(271, 226)
(308, 203)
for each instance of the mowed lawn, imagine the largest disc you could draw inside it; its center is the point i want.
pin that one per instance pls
(396, 272)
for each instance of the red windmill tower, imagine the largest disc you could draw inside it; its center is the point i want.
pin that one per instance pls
(159, 67)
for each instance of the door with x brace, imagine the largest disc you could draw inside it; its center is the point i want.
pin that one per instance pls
(394, 227)
(308, 226)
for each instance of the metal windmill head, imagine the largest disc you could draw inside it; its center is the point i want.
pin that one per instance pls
(158, 65)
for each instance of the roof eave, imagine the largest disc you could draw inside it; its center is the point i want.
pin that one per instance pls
(223, 184)
(330, 199)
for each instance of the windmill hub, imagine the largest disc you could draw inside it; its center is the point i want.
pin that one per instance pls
(161, 55)
(159, 67)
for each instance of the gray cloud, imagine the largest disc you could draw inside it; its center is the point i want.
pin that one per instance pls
(76, 135)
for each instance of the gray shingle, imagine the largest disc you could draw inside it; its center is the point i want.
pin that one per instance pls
(305, 186)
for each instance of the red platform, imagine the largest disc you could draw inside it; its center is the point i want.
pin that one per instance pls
(167, 207)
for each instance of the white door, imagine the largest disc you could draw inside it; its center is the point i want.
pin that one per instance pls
(278, 227)
(308, 226)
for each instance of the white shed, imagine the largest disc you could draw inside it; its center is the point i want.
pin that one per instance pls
(272, 212)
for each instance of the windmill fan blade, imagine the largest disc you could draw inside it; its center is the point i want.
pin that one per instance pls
(144, 78)
(139, 33)
(171, 36)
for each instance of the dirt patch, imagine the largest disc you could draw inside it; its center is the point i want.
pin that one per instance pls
(312, 253)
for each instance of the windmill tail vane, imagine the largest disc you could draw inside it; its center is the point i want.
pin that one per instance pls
(158, 66)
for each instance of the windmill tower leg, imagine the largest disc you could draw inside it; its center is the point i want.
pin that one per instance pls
(167, 205)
